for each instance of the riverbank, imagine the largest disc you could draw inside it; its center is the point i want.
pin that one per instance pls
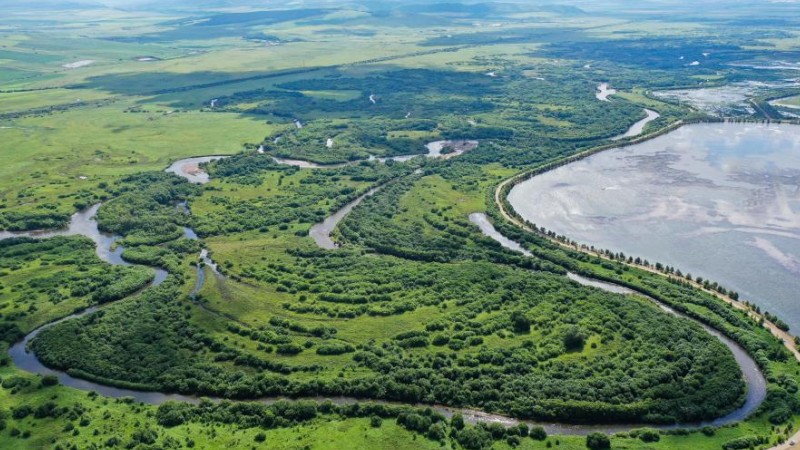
(507, 212)
(754, 377)
(25, 360)
(557, 429)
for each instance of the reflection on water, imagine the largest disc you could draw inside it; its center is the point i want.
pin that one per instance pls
(717, 200)
(82, 223)
(722, 101)
(637, 128)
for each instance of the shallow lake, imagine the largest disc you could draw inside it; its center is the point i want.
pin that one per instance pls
(717, 200)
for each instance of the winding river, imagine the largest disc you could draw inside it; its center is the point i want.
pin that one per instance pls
(190, 169)
(321, 232)
(83, 223)
(752, 375)
(28, 361)
(637, 128)
(604, 91)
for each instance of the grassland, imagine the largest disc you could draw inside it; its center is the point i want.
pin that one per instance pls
(790, 101)
(415, 291)
(57, 161)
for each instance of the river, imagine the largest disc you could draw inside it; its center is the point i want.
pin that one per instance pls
(189, 168)
(29, 362)
(83, 223)
(321, 232)
(637, 128)
(752, 375)
(604, 91)
(721, 201)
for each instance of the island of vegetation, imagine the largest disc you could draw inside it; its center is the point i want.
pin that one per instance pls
(263, 234)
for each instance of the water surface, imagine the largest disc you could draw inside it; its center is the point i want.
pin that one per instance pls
(717, 200)
(638, 128)
(189, 168)
(603, 92)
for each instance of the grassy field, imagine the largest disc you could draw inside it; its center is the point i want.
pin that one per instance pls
(417, 305)
(52, 160)
(790, 101)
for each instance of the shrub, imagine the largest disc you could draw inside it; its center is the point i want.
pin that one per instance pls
(440, 340)
(457, 422)
(145, 436)
(473, 438)
(437, 431)
(21, 412)
(708, 430)
(414, 422)
(538, 433)
(289, 349)
(335, 349)
(649, 435)
(743, 442)
(598, 441)
(496, 430)
(49, 380)
(48, 409)
(171, 414)
(520, 322)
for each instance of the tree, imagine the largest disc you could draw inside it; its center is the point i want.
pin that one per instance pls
(598, 441)
(520, 322)
(538, 433)
(474, 438)
(49, 380)
(437, 431)
(457, 421)
(573, 338)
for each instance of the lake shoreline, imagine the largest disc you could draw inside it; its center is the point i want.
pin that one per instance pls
(508, 212)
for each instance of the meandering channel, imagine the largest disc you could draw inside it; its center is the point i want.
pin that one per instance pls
(638, 128)
(754, 378)
(83, 223)
(604, 91)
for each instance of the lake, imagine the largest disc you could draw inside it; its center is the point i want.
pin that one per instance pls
(721, 201)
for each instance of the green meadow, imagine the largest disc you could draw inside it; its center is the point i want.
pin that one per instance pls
(415, 308)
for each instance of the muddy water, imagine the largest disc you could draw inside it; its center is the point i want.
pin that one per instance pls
(189, 168)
